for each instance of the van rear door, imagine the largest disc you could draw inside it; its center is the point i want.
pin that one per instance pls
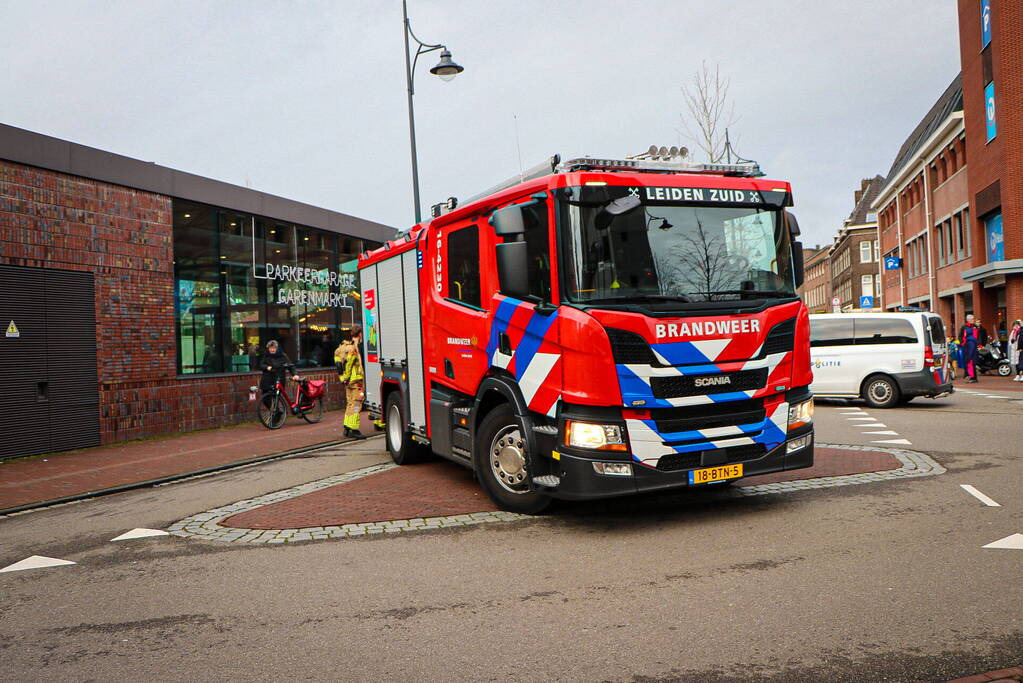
(935, 336)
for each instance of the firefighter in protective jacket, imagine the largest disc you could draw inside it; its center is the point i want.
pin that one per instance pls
(349, 368)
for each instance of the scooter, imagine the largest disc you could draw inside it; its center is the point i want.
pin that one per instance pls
(990, 358)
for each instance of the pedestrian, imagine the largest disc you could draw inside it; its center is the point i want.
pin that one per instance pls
(970, 342)
(953, 354)
(349, 369)
(1016, 348)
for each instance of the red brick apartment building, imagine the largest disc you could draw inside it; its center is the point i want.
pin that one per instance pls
(854, 254)
(924, 218)
(816, 288)
(952, 207)
(134, 297)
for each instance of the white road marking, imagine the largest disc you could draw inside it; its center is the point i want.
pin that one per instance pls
(139, 533)
(1014, 542)
(989, 396)
(902, 441)
(868, 419)
(979, 496)
(35, 562)
(856, 412)
(873, 424)
(886, 432)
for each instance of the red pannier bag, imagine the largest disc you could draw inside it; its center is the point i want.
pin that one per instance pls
(314, 388)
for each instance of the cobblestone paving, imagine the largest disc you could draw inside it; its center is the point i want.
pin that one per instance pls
(206, 525)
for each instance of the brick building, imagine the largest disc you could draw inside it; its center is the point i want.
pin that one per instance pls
(816, 289)
(854, 255)
(135, 296)
(991, 52)
(924, 216)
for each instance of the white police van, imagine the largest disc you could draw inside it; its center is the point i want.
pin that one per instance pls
(885, 358)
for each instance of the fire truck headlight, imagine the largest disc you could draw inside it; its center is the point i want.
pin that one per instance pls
(596, 436)
(800, 414)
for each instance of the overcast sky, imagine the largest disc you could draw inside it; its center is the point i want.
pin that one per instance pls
(306, 99)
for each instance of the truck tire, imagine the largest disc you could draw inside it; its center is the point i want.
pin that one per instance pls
(404, 451)
(881, 391)
(501, 463)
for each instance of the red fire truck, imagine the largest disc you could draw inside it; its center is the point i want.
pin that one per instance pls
(596, 327)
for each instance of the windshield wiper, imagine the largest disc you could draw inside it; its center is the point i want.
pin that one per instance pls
(641, 297)
(765, 292)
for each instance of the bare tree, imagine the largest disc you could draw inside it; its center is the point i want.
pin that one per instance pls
(698, 263)
(710, 112)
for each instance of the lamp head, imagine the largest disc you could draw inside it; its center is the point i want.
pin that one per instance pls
(446, 68)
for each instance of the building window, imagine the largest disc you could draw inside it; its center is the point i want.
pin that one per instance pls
(242, 280)
(867, 285)
(865, 252)
(464, 266)
(877, 251)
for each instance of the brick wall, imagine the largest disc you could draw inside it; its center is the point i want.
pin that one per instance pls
(124, 237)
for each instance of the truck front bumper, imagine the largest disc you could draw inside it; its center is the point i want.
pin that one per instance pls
(580, 480)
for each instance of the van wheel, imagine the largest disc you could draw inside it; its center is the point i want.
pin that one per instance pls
(404, 451)
(502, 464)
(881, 391)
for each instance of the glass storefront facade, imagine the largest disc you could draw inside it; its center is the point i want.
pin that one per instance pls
(242, 280)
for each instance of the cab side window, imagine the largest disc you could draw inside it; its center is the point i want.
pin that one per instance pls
(884, 331)
(537, 237)
(831, 332)
(463, 261)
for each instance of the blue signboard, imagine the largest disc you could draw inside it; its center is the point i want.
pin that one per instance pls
(995, 242)
(892, 263)
(866, 302)
(989, 110)
(985, 23)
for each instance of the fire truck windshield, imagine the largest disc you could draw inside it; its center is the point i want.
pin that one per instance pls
(673, 252)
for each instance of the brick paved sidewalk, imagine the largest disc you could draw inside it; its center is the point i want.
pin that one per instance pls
(442, 488)
(41, 478)
(1012, 675)
(990, 382)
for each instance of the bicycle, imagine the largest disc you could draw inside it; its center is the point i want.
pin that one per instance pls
(274, 405)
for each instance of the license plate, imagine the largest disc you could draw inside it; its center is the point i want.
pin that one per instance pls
(705, 476)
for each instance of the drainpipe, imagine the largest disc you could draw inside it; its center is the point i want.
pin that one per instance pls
(932, 277)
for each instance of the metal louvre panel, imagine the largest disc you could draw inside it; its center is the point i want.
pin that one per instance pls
(368, 281)
(391, 311)
(417, 394)
(25, 425)
(727, 414)
(71, 360)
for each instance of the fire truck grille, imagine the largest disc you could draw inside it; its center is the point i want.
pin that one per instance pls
(781, 338)
(688, 461)
(728, 414)
(696, 385)
(630, 348)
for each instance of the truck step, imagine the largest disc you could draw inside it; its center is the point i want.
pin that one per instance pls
(550, 481)
(549, 430)
(462, 410)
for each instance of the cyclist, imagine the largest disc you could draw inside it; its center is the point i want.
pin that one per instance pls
(274, 363)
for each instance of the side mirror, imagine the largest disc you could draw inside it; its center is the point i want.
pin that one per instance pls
(513, 267)
(790, 219)
(620, 206)
(797, 262)
(508, 221)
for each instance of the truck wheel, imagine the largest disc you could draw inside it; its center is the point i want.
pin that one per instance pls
(404, 451)
(502, 464)
(881, 391)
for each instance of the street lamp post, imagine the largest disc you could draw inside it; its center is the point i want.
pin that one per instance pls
(445, 68)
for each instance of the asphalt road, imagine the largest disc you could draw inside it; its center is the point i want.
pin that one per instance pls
(878, 582)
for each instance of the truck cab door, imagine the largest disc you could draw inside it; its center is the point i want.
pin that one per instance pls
(461, 288)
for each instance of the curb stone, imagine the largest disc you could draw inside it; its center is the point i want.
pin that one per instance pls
(206, 525)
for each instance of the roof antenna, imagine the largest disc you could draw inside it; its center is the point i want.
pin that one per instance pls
(518, 147)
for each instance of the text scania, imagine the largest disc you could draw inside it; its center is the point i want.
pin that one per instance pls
(702, 329)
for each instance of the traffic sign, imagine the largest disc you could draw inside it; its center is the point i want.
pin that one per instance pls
(866, 302)
(836, 301)
(892, 263)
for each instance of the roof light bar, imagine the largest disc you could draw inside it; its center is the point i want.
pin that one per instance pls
(751, 169)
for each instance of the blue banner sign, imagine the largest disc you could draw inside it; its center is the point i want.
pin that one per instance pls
(892, 263)
(995, 242)
(985, 23)
(866, 302)
(989, 111)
